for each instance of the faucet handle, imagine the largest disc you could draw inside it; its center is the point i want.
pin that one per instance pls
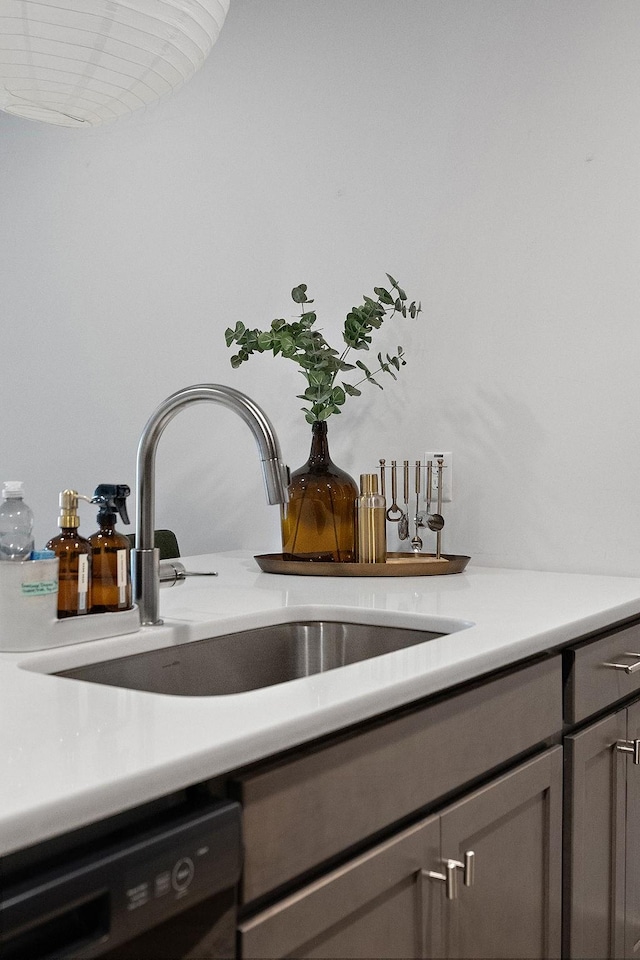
(172, 572)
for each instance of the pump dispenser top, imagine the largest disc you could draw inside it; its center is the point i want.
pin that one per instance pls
(69, 516)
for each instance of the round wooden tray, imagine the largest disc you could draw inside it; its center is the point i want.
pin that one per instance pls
(397, 565)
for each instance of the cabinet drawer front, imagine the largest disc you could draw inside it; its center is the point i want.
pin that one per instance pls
(300, 813)
(594, 683)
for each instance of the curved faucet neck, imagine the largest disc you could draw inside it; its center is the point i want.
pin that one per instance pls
(145, 569)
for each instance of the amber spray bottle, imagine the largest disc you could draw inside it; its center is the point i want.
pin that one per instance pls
(73, 552)
(110, 551)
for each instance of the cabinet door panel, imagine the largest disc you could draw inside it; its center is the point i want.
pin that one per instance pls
(514, 828)
(377, 905)
(594, 905)
(632, 859)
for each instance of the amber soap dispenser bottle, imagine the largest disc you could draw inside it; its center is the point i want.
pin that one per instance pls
(73, 552)
(110, 551)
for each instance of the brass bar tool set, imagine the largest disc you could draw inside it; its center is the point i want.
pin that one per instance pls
(420, 518)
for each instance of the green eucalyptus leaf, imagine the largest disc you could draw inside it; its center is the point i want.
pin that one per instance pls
(338, 396)
(319, 378)
(299, 293)
(351, 390)
(383, 295)
(287, 345)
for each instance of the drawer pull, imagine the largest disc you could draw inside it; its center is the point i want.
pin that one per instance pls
(450, 876)
(630, 746)
(627, 667)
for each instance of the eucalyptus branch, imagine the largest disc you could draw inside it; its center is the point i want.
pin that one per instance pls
(319, 363)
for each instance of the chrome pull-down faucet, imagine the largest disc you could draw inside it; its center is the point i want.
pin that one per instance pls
(145, 558)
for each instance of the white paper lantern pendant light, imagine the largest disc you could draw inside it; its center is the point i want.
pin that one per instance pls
(81, 63)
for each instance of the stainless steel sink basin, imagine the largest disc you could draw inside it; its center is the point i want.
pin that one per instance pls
(238, 662)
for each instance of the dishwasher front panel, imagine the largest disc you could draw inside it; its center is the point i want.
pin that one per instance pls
(165, 893)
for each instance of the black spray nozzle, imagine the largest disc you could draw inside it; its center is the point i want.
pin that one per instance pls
(113, 499)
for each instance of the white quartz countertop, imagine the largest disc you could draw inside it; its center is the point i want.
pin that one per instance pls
(75, 752)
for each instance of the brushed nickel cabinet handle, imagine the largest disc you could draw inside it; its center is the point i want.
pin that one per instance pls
(627, 667)
(450, 878)
(469, 875)
(450, 875)
(630, 746)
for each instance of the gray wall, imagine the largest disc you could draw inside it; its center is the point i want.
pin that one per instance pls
(483, 151)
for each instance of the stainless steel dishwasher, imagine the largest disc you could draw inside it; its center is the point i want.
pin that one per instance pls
(158, 884)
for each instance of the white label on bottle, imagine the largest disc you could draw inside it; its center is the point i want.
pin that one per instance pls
(122, 577)
(83, 582)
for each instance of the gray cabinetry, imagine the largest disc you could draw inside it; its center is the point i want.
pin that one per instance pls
(602, 869)
(380, 904)
(596, 832)
(602, 672)
(311, 807)
(549, 846)
(632, 836)
(514, 828)
(412, 897)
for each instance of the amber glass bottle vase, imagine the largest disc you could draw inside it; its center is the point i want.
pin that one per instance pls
(318, 522)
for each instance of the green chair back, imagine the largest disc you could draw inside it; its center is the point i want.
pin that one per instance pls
(166, 542)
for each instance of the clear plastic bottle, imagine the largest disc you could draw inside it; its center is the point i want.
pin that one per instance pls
(16, 523)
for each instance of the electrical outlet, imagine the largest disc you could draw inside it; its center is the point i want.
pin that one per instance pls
(447, 478)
